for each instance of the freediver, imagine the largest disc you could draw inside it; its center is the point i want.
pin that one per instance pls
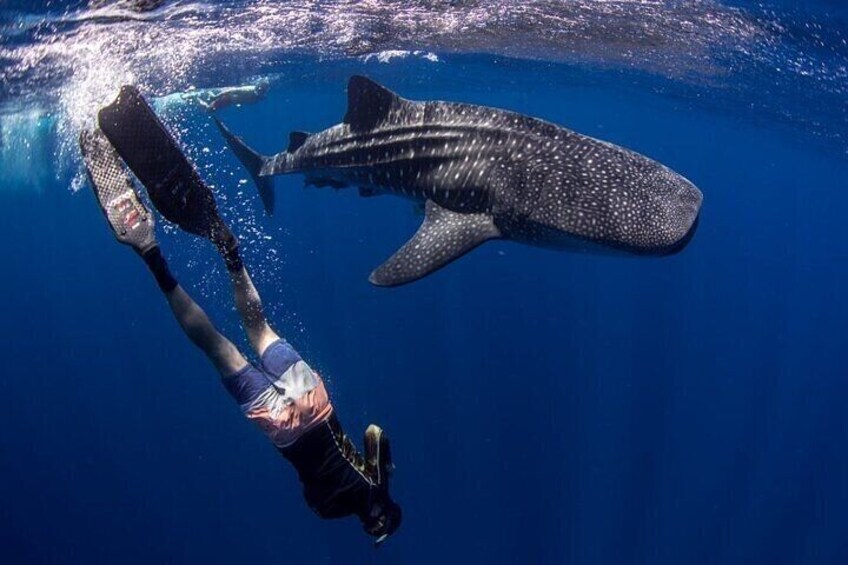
(282, 394)
(217, 98)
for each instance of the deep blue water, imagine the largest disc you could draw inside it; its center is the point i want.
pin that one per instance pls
(545, 407)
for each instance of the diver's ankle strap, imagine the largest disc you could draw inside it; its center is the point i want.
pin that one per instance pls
(228, 247)
(159, 267)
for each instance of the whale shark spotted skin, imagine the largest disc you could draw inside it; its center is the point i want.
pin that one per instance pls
(484, 173)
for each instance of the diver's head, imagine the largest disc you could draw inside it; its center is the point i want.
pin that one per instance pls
(383, 521)
(262, 85)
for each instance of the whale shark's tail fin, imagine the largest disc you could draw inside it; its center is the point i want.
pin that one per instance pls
(253, 162)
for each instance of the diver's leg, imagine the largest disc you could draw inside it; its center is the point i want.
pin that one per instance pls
(193, 320)
(133, 225)
(247, 299)
(196, 324)
(249, 305)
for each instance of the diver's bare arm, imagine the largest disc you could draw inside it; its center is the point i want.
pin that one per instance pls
(197, 326)
(249, 306)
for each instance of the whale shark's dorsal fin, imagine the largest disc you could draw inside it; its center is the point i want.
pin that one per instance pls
(367, 103)
(296, 140)
(444, 236)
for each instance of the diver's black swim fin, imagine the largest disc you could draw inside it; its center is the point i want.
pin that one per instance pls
(129, 219)
(150, 151)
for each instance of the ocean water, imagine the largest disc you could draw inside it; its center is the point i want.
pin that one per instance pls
(544, 407)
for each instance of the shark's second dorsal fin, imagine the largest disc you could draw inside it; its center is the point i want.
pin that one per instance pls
(444, 236)
(296, 140)
(367, 103)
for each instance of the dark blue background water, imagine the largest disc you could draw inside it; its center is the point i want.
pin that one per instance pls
(545, 407)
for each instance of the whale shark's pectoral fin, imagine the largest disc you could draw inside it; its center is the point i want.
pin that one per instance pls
(444, 236)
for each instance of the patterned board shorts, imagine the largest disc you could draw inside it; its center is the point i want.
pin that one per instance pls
(284, 396)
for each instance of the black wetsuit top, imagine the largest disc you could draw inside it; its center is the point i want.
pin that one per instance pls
(332, 484)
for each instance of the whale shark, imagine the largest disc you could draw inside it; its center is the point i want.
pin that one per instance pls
(484, 173)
